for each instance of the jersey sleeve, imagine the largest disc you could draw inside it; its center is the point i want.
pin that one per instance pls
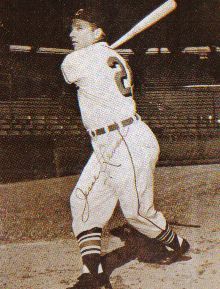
(71, 68)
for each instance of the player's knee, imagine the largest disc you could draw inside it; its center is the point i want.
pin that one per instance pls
(147, 211)
(131, 216)
(78, 200)
(142, 212)
(73, 199)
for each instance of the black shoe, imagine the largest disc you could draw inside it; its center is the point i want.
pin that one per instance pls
(174, 256)
(90, 281)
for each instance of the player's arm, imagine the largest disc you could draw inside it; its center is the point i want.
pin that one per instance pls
(70, 69)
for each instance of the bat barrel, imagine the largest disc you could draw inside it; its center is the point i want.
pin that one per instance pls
(147, 22)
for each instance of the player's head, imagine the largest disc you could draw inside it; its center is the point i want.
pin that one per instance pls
(86, 30)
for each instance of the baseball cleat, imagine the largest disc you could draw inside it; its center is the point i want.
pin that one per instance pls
(175, 255)
(90, 281)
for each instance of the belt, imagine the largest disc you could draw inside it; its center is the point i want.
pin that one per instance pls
(114, 126)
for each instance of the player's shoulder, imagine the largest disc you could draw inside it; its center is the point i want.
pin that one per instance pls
(92, 53)
(102, 51)
(112, 52)
(99, 48)
(71, 58)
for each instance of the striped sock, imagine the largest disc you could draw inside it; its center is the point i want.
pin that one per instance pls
(169, 238)
(90, 248)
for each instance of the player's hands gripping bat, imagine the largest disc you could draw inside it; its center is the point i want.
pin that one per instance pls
(147, 22)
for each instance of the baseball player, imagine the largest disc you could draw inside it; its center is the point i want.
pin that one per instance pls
(125, 151)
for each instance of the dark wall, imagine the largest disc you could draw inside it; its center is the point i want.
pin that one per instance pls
(45, 22)
(41, 157)
(41, 134)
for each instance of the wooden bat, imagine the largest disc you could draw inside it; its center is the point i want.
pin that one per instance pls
(147, 22)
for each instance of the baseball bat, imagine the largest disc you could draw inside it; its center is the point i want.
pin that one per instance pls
(147, 22)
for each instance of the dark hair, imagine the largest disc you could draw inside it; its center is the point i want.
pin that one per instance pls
(91, 15)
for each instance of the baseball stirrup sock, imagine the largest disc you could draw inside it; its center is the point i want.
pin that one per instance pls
(169, 238)
(90, 249)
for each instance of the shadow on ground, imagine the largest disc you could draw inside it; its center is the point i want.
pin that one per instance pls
(136, 246)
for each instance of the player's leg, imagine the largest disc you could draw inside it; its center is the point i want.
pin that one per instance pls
(167, 236)
(146, 218)
(92, 204)
(135, 179)
(139, 155)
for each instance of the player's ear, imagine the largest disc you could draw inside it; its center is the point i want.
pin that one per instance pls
(99, 34)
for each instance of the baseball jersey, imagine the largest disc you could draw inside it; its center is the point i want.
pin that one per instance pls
(104, 81)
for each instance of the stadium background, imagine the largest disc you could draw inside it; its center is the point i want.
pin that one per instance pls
(176, 67)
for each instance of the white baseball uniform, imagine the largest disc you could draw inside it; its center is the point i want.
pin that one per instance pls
(122, 164)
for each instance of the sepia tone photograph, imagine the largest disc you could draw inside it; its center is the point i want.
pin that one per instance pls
(109, 144)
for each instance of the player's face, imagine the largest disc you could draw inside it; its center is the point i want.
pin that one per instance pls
(82, 34)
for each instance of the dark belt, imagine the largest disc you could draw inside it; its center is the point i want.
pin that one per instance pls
(114, 126)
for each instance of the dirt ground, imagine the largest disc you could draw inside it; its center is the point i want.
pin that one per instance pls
(38, 250)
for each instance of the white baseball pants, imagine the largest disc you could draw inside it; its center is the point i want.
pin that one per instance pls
(120, 168)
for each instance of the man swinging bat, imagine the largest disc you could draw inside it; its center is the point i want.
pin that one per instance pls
(125, 152)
